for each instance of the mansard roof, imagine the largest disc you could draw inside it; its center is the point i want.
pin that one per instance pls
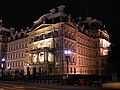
(86, 25)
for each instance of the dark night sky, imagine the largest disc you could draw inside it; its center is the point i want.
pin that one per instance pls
(20, 14)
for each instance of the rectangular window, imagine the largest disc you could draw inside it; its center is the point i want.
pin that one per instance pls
(16, 64)
(13, 64)
(71, 69)
(22, 45)
(74, 70)
(14, 47)
(11, 55)
(19, 54)
(25, 44)
(19, 46)
(22, 54)
(16, 54)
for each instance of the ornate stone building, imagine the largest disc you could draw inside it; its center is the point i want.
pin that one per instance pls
(56, 45)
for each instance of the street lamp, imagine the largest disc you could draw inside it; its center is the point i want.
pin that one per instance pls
(9, 69)
(28, 69)
(3, 65)
(67, 53)
(3, 59)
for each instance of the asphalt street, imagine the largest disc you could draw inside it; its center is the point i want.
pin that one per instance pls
(9, 86)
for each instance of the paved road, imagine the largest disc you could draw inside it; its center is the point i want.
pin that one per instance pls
(13, 86)
(4, 86)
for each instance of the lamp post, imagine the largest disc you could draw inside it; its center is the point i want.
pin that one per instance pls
(28, 69)
(3, 66)
(67, 53)
(8, 70)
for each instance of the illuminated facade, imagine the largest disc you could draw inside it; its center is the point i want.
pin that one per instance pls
(42, 48)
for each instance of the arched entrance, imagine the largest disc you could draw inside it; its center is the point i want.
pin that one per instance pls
(40, 70)
(34, 70)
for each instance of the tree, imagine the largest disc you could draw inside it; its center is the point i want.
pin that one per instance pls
(113, 63)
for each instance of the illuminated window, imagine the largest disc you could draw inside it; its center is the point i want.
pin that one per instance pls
(104, 43)
(34, 58)
(41, 56)
(104, 51)
(50, 57)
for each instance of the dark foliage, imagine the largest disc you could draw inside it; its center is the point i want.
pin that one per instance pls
(113, 64)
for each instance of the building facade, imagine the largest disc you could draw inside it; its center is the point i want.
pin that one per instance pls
(56, 45)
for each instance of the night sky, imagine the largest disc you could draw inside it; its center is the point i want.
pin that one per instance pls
(21, 13)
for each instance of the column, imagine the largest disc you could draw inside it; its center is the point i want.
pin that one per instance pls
(37, 57)
(46, 56)
(46, 64)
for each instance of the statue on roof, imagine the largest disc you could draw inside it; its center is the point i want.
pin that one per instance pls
(40, 20)
(49, 16)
